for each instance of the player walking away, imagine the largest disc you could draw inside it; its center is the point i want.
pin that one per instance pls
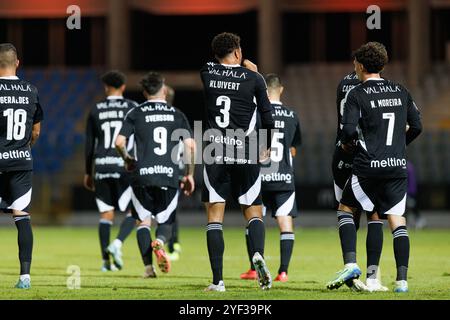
(278, 187)
(21, 115)
(411, 200)
(173, 244)
(155, 180)
(105, 170)
(230, 90)
(342, 170)
(376, 113)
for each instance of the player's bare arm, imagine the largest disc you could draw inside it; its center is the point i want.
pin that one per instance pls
(121, 147)
(188, 183)
(36, 131)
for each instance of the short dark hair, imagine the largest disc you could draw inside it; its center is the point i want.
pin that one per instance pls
(114, 78)
(273, 80)
(152, 82)
(224, 43)
(373, 56)
(8, 55)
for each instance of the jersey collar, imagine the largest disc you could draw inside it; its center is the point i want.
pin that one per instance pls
(374, 79)
(157, 100)
(10, 78)
(231, 65)
(276, 102)
(114, 97)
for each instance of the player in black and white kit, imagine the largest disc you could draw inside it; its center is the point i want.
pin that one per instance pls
(157, 128)
(278, 183)
(234, 96)
(342, 165)
(105, 170)
(21, 115)
(383, 119)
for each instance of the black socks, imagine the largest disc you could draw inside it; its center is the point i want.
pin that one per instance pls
(25, 242)
(401, 251)
(286, 246)
(347, 234)
(374, 246)
(144, 239)
(104, 232)
(216, 247)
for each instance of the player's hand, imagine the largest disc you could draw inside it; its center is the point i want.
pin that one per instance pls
(348, 147)
(187, 184)
(250, 65)
(264, 156)
(130, 164)
(89, 182)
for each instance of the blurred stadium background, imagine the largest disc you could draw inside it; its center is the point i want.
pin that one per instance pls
(308, 42)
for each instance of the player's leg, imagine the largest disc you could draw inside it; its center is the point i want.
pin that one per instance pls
(104, 234)
(215, 242)
(174, 245)
(18, 199)
(393, 197)
(165, 204)
(285, 209)
(287, 238)
(355, 195)
(122, 196)
(250, 274)
(105, 205)
(374, 246)
(215, 191)
(141, 199)
(246, 188)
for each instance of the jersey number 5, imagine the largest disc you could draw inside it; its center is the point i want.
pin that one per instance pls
(225, 103)
(16, 123)
(276, 151)
(390, 132)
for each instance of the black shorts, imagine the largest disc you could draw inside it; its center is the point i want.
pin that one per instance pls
(386, 196)
(15, 191)
(242, 181)
(113, 194)
(159, 203)
(281, 203)
(342, 170)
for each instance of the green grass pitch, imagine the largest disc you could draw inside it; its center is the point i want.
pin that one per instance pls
(315, 260)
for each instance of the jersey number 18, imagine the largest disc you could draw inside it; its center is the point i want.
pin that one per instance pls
(16, 123)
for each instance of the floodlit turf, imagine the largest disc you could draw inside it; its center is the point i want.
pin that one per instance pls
(316, 258)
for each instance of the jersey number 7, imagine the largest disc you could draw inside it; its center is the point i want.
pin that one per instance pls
(390, 132)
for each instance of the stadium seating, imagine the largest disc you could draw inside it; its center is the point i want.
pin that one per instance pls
(65, 95)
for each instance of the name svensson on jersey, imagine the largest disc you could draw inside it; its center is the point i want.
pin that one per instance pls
(104, 124)
(19, 111)
(154, 125)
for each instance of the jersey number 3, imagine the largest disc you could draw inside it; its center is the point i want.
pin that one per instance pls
(225, 103)
(16, 123)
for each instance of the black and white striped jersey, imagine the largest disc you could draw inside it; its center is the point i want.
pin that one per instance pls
(376, 113)
(103, 125)
(346, 84)
(279, 175)
(19, 111)
(157, 128)
(234, 97)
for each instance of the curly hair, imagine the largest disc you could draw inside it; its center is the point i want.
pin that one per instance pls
(224, 44)
(114, 78)
(152, 82)
(373, 56)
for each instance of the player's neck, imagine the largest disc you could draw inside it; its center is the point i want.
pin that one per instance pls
(114, 93)
(156, 98)
(229, 61)
(367, 76)
(7, 72)
(275, 99)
